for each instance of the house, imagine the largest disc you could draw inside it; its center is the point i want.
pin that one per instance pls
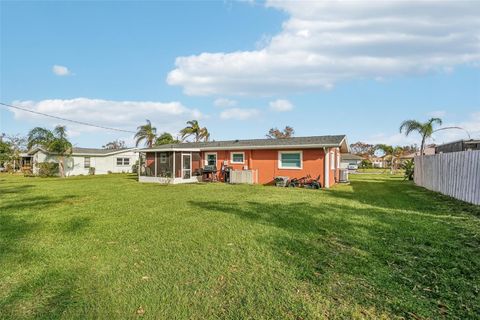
(460, 145)
(83, 159)
(350, 161)
(257, 161)
(26, 162)
(378, 162)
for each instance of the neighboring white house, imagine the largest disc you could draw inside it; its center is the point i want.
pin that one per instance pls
(82, 159)
(350, 161)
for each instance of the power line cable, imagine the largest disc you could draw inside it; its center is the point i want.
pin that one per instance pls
(64, 119)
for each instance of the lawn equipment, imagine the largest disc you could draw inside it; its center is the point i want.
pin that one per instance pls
(298, 182)
(313, 183)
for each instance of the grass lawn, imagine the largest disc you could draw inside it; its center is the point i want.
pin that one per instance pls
(108, 247)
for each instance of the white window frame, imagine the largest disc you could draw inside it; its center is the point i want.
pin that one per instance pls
(289, 152)
(210, 153)
(163, 157)
(122, 164)
(237, 152)
(332, 160)
(183, 170)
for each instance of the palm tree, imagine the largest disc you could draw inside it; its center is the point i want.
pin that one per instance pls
(424, 129)
(147, 133)
(165, 138)
(55, 142)
(392, 154)
(193, 129)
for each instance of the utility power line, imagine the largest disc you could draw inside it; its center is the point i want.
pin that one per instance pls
(64, 119)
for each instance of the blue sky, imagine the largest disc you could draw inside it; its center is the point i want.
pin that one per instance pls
(240, 67)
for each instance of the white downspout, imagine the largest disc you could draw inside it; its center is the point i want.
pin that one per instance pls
(155, 162)
(327, 166)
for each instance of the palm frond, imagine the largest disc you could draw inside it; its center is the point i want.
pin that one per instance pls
(409, 126)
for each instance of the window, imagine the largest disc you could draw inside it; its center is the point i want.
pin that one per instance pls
(332, 161)
(237, 157)
(290, 160)
(123, 161)
(163, 157)
(211, 159)
(86, 162)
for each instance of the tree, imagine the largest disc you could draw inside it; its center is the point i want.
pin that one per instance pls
(5, 151)
(17, 145)
(425, 129)
(115, 145)
(165, 138)
(391, 154)
(362, 149)
(194, 129)
(55, 142)
(413, 148)
(275, 133)
(146, 133)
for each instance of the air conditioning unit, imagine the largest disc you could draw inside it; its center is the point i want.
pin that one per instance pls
(343, 175)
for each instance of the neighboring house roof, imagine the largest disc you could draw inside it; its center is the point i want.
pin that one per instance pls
(295, 142)
(458, 145)
(349, 156)
(87, 151)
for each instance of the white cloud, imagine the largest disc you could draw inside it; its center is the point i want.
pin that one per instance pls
(223, 102)
(325, 42)
(61, 70)
(127, 115)
(281, 105)
(470, 127)
(239, 114)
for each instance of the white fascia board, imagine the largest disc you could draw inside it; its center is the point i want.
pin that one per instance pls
(276, 147)
(170, 150)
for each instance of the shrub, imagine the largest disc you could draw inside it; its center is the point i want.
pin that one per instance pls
(135, 167)
(27, 172)
(9, 167)
(366, 164)
(409, 167)
(48, 169)
(91, 171)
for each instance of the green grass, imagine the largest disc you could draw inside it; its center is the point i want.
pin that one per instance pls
(106, 247)
(379, 170)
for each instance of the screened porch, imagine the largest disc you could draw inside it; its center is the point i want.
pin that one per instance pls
(170, 166)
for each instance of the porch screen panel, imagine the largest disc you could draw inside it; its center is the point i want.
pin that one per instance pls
(164, 164)
(196, 163)
(178, 164)
(150, 164)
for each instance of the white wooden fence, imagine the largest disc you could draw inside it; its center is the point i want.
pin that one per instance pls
(456, 174)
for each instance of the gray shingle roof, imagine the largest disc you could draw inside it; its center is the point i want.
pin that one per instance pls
(97, 151)
(349, 156)
(91, 150)
(86, 151)
(252, 143)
